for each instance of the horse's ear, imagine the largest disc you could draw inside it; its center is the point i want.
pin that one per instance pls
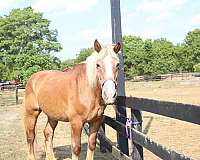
(117, 47)
(97, 46)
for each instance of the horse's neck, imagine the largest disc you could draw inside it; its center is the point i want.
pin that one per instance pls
(83, 83)
(90, 96)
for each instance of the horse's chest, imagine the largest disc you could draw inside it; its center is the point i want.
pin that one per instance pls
(96, 113)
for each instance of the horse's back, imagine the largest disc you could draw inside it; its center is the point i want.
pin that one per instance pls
(38, 79)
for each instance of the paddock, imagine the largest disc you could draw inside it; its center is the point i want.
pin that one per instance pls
(178, 135)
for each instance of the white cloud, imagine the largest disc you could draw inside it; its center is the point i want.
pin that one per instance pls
(63, 6)
(196, 19)
(6, 4)
(160, 9)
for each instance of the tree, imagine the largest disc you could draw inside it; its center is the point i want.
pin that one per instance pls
(192, 48)
(197, 67)
(3, 71)
(133, 64)
(183, 58)
(25, 36)
(24, 31)
(164, 59)
(29, 64)
(148, 57)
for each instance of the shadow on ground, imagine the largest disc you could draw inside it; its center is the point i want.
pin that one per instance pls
(64, 153)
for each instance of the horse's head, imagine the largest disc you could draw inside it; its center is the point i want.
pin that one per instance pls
(107, 66)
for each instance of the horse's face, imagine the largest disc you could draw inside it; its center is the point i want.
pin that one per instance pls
(107, 72)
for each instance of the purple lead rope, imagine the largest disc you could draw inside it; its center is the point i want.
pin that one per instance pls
(129, 123)
(128, 128)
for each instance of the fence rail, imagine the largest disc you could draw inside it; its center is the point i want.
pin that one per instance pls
(141, 139)
(158, 77)
(186, 112)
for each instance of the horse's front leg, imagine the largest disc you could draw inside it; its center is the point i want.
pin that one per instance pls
(76, 129)
(93, 131)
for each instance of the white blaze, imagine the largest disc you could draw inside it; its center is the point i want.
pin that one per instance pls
(108, 66)
(109, 89)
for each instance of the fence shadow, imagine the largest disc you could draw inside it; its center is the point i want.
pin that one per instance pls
(146, 129)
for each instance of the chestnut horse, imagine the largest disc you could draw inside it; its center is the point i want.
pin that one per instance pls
(79, 95)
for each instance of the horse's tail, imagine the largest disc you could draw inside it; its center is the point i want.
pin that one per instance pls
(31, 113)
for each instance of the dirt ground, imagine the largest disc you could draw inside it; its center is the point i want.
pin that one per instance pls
(178, 135)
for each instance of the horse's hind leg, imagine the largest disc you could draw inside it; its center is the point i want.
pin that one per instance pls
(49, 133)
(30, 119)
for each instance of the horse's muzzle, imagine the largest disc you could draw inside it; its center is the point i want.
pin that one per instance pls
(109, 92)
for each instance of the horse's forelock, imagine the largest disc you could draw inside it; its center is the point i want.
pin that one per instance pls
(91, 63)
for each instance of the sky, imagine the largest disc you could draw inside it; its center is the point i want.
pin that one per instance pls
(80, 22)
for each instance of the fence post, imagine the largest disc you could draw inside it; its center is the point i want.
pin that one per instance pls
(16, 94)
(122, 142)
(102, 145)
(136, 150)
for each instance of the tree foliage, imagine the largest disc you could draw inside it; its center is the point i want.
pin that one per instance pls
(197, 67)
(147, 56)
(26, 42)
(25, 31)
(192, 48)
(160, 56)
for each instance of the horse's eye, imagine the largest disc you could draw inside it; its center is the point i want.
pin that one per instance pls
(117, 66)
(98, 66)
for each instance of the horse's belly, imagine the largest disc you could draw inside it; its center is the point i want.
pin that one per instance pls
(54, 111)
(56, 116)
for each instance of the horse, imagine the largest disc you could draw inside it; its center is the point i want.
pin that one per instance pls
(78, 96)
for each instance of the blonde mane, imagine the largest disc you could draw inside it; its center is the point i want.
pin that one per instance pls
(91, 63)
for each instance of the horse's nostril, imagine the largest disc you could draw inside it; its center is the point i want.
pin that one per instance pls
(115, 95)
(104, 94)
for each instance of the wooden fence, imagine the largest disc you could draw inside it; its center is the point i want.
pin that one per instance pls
(184, 112)
(170, 76)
